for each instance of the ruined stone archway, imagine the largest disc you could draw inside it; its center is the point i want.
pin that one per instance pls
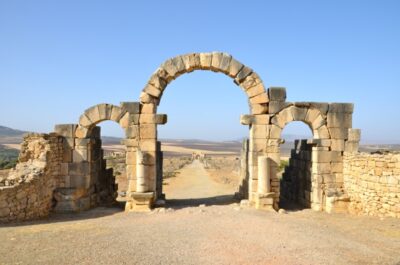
(245, 77)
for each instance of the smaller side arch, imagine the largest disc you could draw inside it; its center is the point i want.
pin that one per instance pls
(98, 113)
(310, 115)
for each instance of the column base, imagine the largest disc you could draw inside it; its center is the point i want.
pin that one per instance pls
(264, 201)
(139, 202)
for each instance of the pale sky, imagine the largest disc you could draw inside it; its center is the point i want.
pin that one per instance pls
(58, 58)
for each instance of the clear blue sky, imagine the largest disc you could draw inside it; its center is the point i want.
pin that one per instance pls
(57, 58)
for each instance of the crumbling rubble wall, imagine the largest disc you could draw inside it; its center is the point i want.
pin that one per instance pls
(27, 192)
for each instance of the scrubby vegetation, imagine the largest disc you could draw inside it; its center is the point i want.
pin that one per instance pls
(172, 164)
(223, 169)
(8, 157)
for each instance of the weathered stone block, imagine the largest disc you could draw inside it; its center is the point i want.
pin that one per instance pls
(205, 60)
(132, 132)
(66, 130)
(259, 99)
(259, 131)
(262, 119)
(322, 133)
(321, 168)
(81, 168)
(130, 142)
(85, 121)
(277, 93)
(78, 181)
(321, 157)
(124, 121)
(276, 106)
(282, 118)
(93, 114)
(318, 122)
(339, 119)
(243, 73)
(299, 114)
(158, 82)
(259, 109)
(216, 61)
(251, 81)
(351, 147)
(148, 145)
(234, 68)
(152, 90)
(337, 167)
(134, 119)
(153, 119)
(130, 158)
(131, 107)
(338, 133)
(257, 145)
(341, 107)
(320, 142)
(337, 145)
(354, 135)
(104, 111)
(80, 155)
(322, 107)
(148, 131)
(274, 132)
(169, 67)
(148, 108)
(82, 142)
(179, 65)
(256, 90)
(116, 113)
(224, 64)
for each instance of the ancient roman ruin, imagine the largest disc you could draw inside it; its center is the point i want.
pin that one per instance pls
(64, 171)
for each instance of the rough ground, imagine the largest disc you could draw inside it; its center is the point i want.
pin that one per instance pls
(187, 234)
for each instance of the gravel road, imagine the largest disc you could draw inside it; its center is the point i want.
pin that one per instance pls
(187, 234)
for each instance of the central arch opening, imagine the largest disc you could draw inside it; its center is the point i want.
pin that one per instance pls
(202, 140)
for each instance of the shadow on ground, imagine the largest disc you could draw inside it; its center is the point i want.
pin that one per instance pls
(215, 200)
(291, 206)
(100, 211)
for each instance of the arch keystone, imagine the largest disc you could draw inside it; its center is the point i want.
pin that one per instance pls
(299, 113)
(205, 60)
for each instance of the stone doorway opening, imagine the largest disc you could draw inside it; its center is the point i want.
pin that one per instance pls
(295, 168)
(201, 166)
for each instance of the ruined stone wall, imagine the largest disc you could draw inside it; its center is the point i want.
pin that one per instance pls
(297, 176)
(372, 182)
(27, 192)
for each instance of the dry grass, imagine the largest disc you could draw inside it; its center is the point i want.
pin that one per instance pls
(224, 169)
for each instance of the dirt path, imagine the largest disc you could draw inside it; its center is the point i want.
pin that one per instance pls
(193, 182)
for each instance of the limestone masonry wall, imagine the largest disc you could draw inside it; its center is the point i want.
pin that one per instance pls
(372, 182)
(27, 192)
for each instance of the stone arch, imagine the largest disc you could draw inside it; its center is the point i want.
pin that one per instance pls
(98, 113)
(243, 76)
(310, 115)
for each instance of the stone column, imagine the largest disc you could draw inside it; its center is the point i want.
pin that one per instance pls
(264, 198)
(140, 173)
(264, 177)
